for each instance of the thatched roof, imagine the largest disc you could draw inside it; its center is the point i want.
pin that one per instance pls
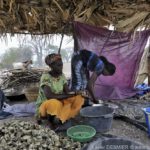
(50, 16)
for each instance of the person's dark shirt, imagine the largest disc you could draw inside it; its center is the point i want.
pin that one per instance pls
(91, 61)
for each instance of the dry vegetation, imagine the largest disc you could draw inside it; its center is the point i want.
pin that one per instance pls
(51, 16)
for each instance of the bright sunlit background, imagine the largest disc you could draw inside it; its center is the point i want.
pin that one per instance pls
(21, 48)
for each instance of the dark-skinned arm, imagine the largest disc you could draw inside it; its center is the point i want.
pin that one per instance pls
(90, 87)
(50, 95)
(66, 89)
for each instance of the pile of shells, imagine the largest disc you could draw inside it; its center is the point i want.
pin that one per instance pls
(21, 135)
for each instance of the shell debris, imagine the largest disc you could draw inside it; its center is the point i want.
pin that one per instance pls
(21, 135)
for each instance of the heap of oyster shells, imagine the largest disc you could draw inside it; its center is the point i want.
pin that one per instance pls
(21, 135)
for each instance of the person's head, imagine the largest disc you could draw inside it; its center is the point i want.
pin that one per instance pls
(54, 61)
(109, 68)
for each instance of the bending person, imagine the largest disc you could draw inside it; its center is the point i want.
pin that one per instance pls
(82, 63)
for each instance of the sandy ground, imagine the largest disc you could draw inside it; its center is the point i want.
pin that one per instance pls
(123, 129)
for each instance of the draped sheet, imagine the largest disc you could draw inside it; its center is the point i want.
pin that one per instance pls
(123, 49)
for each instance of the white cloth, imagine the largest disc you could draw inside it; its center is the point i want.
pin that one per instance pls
(20, 110)
(143, 72)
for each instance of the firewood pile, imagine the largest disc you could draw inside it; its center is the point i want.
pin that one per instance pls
(17, 77)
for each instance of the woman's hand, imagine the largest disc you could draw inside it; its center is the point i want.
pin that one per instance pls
(95, 101)
(83, 93)
(71, 93)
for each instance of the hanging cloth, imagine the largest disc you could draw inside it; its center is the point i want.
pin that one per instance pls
(120, 49)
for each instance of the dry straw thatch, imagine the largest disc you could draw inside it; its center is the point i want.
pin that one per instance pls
(51, 16)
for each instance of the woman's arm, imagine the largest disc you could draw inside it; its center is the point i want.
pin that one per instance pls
(50, 95)
(66, 89)
(90, 86)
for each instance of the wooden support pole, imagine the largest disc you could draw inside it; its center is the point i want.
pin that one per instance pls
(148, 67)
(75, 39)
(61, 43)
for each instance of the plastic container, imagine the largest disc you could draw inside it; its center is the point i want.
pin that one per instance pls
(147, 118)
(81, 133)
(99, 117)
(114, 144)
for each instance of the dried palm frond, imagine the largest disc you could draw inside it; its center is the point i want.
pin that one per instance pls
(1, 4)
(49, 17)
(132, 22)
(2, 23)
(10, 5)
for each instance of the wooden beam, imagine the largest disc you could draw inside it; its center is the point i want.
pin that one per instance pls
(148, 67)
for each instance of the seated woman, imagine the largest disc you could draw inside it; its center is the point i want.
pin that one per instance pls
(54, 101)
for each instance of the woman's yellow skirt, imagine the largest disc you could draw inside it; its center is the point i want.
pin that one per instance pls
(62, 109)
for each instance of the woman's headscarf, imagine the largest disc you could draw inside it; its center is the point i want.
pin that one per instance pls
(52, 58)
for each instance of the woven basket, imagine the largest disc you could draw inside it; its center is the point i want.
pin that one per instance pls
(31, 93)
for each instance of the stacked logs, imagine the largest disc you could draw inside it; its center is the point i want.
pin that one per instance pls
(14, 78)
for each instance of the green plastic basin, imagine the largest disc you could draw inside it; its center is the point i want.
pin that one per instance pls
(81, 133)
